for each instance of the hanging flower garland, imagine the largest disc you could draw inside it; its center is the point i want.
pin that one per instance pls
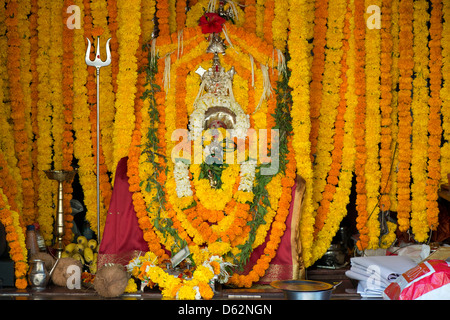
(67, 143)
(405, 65)
(373, 122)
(279, 10)
(317, 70)
(99, 12)
(328, 109)
(394, 104)
(163, 14)
(333, 214)
(44, 140)
(23, 28)
(269, 16)
(386, 118)
(83, 86)
(180, 14)
(128, 35)
(18, 112)
(445, 91)
(7, 183)
(55, 80)
(250, 16)
(34, 94)
(434, 121)
(16, 241)
(385, 104)
(301, 31)
(420, 112)
(360, 127)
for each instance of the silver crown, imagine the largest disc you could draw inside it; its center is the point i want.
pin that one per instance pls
(217, 81)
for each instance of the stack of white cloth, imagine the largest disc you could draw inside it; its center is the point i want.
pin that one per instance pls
(375, 273)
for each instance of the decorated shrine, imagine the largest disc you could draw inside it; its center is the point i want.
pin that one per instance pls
(210, 141)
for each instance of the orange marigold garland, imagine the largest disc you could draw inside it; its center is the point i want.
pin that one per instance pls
(18, 113)
(405, 65)
(67, 147)
(385, 104)
(317, 70)
(16, 240)
(434, 123)
(359, 130)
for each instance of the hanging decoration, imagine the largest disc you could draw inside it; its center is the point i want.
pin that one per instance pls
(335, 98)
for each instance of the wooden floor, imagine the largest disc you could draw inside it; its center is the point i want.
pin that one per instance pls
(345, 291)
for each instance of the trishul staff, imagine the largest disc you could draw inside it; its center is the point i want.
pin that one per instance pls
(98, 63)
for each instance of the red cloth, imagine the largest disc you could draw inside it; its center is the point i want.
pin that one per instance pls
(122, 236)
(281, 267)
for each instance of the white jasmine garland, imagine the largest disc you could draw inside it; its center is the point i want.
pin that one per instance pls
(181, 175)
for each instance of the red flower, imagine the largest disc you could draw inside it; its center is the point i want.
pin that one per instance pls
(211, 23)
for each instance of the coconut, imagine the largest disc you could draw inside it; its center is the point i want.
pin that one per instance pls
(111, 280)
(48, 259)
(61, 274)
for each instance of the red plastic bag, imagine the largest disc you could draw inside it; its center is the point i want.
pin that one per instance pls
(429, 280)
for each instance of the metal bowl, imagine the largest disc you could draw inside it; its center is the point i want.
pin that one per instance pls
(305, 289)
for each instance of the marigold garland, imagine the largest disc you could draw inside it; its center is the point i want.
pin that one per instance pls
(405, 65)
(359, 131)
(420, 112)
(434, 121)
(445, 92)
(373, 122)
(67, 141)
(329, 213)
(18, 112)
(301, 32)
(16, 240)
(83, 147)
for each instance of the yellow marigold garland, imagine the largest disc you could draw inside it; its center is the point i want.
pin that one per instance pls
(373, 122)
(360, 127)
(445, 92)
(83, 147)
(420, 112)
(301, 32)
(329, 107)
(16, 240)
(128, 35)
(18, 113)
(337, 190)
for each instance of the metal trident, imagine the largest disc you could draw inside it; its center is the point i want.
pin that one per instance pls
(98, 63)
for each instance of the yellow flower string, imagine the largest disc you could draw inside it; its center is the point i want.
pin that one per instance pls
(107, 110)
(373, 121)
(360, 127)
(301, 32)
(55, 81)
(328, 108)
(420, 112)
(394, 104)
(336, 195)
(21, 140)
(16, 240)
(128, 35)
(445, 92)
(280, 23)
(67, 141)
(386, 118)
(83, 147)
